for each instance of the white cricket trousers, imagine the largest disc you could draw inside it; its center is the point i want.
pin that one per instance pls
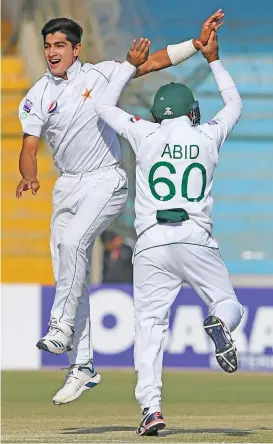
(83, 207)
(158, 275)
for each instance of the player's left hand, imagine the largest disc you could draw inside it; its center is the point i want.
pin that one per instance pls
(139, 52)
(213, 23)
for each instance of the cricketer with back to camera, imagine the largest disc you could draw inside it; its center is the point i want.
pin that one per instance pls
(175, 162)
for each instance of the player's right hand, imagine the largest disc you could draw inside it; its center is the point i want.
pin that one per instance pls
(213, 23)
(139, 52)
(27, 184)
(210, 51)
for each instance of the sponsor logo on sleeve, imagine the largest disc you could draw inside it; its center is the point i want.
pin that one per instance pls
(212, 122)
(135, 119)
(27, 106)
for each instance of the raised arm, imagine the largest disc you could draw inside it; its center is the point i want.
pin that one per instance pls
(123, 123)
(106, 107)
(225, 120)
(175, 54)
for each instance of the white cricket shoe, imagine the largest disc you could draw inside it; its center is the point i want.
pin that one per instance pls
(79, 378)
(59, 339)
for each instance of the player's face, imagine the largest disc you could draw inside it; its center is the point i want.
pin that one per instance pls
(60, 54)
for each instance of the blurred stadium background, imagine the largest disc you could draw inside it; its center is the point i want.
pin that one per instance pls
(243, 192)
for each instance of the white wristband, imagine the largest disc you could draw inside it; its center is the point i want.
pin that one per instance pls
(180, 52)
(222, 77)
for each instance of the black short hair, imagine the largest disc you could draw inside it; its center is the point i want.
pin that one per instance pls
(71, 29)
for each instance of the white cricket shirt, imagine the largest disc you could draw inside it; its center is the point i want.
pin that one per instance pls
(63, 112)
(175, 161)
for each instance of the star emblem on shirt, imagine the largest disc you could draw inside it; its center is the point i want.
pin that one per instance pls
(87, 94)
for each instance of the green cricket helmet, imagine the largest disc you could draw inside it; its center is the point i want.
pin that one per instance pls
(175, 100)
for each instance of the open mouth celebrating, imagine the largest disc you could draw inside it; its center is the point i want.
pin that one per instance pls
(54, 62)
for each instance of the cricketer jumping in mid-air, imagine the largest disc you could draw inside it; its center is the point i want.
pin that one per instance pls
(92, 188)
(175, 162)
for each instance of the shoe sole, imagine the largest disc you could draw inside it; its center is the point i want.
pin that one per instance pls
(225, 351)
(42, 346)
(93, 382)
(153, 429)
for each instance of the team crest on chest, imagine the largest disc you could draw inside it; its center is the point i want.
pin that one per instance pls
(87, 94)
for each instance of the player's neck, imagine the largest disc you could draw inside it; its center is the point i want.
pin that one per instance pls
(65, 75)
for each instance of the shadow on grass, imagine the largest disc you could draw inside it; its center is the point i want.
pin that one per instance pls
(167, 432)
(95, 430)
(228, 432)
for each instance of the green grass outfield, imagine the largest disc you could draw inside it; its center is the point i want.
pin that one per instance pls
(198, 407)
